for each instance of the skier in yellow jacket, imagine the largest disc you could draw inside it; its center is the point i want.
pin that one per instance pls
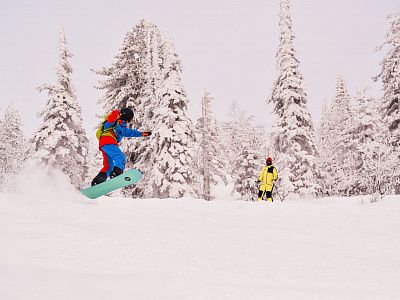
(266, 179)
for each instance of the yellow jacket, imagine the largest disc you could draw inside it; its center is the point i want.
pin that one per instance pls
(267, 177)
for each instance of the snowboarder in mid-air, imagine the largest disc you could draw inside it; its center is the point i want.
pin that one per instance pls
(109, 134)
(266, 179)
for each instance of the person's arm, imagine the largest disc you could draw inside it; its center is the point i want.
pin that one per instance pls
(128, 132)
(275, 172)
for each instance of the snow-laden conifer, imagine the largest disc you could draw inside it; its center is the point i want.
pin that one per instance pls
(337, 144)
(13, 148)
(211, 158)
(169, 160)
(247, 167)
(245, 146)
(343, 154)
(235, 131)
(146, 77)
(390, 77)
(293, 133)
(123, 80)
(61, 141)
(128, 83)
(365, 137)
(325, 138)
(376, 165)
(141, 152)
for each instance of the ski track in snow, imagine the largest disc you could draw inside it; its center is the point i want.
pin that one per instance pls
(63, 246)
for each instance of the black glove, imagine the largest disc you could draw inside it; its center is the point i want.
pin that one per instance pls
(146, 133)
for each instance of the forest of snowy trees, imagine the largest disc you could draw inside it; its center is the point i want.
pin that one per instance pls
(354, 150)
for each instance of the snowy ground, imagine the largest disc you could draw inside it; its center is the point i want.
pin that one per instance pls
(57, 245)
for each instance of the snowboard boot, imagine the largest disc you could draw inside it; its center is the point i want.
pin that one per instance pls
(115, 172)
(101, 177)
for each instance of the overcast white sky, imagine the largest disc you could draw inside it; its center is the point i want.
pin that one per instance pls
(227, 47)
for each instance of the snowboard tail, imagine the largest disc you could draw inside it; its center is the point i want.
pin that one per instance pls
(127, 178)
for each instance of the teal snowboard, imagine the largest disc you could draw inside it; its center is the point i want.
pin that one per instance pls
(125, 179)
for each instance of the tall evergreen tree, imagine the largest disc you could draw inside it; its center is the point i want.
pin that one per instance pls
(246, 147)
(212, 156)
(325, 136)
(124, 78)
(4, 150)
(235, 133)
(390, 77)
(140, 153)
(172, 169)
(365, 139)
(293, 135)
(338, 143)
(61, 141)
(247, 165)
(147, 77)
(376, 162)
(343, 155)
(13, 147)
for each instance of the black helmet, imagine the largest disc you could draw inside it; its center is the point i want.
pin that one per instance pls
(126, 114)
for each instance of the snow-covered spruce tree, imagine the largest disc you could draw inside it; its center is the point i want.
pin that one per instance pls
(365, 135)
(384, 174)
(124, 85)
(124, 79)
(147, 77)
(390, 77)
(230, 139)
(293, 133)
(248, 166)
(13, 148)
(171, 171)
(325, 138)
(3, 156)
(376, 162)
(246, 147)
(61, 141)
(234, 130)
(211, 158)
(140, 152)
(343, 156)
(4, 151)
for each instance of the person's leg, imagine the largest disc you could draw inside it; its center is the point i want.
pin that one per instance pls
(269, 195)
(108, 163)
(104, 172)
(261, 192)
(117, 158)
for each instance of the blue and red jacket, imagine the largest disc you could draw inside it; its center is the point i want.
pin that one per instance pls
(119, 130)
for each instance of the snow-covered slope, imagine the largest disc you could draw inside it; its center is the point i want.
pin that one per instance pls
(57, 245)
